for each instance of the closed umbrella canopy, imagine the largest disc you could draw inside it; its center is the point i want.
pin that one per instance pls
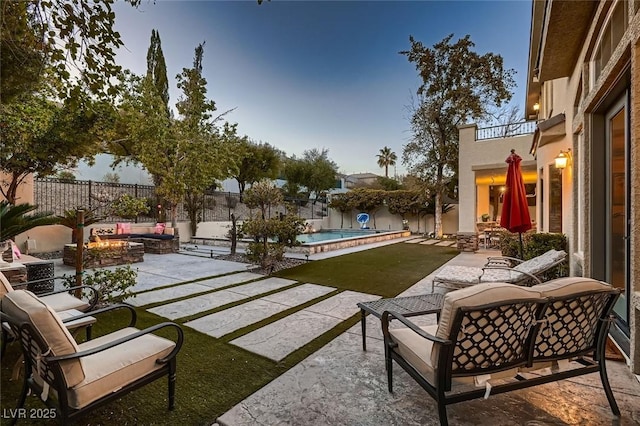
(515, 210)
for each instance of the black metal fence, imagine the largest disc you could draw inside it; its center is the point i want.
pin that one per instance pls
(59, 195)
(506, 130)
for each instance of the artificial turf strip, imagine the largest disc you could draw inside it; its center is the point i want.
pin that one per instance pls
(212, 375)
(386, 271)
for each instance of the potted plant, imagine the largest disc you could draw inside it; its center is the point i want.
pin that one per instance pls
(485, 217)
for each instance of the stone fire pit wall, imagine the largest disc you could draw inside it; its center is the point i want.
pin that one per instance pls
(97, 257)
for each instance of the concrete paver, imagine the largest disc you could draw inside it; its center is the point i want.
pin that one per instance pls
(231, 279)
(277, 340)
(194, 305)
(258, 287)
(220, 323)
(164, 294)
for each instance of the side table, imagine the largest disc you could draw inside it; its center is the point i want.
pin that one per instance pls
(408, 306)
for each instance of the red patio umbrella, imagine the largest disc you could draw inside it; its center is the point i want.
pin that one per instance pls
(515, 210)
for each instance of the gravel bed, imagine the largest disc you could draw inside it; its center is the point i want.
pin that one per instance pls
(277, 266)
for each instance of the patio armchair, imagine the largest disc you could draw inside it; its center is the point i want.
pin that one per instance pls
(500, 269)
(497, 337)
(75, 378)
(61, 301)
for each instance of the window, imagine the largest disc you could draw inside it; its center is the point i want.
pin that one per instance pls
(611, 36)
(555, 199)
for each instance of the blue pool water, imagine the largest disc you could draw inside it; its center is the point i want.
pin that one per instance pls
(334, 234)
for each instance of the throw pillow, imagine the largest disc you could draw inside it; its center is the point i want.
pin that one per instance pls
(160, 228)
(16, 251)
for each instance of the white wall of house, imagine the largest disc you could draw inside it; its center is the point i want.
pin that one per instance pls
(477, 157)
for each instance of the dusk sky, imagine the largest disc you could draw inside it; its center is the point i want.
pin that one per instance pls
(319, 74)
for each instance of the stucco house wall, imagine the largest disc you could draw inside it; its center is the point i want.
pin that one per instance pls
(562, 80)
(482, 158)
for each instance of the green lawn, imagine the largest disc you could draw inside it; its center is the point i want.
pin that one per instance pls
(386, 271)
(214, 375)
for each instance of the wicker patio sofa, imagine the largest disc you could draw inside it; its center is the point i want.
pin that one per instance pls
(500, 269)
(156, 239)
(498, 337)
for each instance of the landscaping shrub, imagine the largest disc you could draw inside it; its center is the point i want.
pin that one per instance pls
(535, 244)
(112, 286)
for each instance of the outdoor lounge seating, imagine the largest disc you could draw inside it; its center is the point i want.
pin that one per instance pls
(61, 301)
(156, 239)
(496, 335)
(500, 269)
(76, 378)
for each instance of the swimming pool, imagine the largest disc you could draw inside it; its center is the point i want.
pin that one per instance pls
(335, 239)
(335, 234)
(318, 242)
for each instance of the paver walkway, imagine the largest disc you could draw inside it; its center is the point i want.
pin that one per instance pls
(235, 318)
(277, 340)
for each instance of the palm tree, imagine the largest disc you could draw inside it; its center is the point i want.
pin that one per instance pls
(15, 220)
(386, 158)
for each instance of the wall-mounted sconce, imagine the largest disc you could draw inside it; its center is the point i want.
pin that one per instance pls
(563, 159)
(536, 107)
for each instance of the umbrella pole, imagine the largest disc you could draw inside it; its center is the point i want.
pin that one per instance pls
(520, 237)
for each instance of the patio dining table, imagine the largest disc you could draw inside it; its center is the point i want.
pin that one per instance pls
(408, 306)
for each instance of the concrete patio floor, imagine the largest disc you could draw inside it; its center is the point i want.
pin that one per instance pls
(341, 384)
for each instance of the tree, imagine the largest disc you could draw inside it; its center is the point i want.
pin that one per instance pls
(271, 235)
(458, 85)
(386, 158)
(319, 172)
(343, 203)
(197, 153)
(66, 175)
(157, 68)
(41, 136)
(111, 177)
(71, 40)
(17, 219)
(257, 161)
(23, 59)
(295, 173)
(402, 202)
(388, 184)
(368, 201)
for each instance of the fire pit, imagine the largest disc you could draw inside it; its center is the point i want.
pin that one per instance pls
(105, 253)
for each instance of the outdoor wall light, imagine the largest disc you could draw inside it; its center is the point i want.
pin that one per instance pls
(563, 159)
(536, 107)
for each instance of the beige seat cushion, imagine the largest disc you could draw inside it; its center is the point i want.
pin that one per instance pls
(417, 352)
(24, 306)
(5, 285)
(541, 263)
(64, 301)
(57, 302)
(478, 295)
(116, 367)
(570, 285)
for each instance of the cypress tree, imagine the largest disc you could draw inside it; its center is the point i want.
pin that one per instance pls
(157, 68)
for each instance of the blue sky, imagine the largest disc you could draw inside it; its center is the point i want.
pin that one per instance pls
(319, 74)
